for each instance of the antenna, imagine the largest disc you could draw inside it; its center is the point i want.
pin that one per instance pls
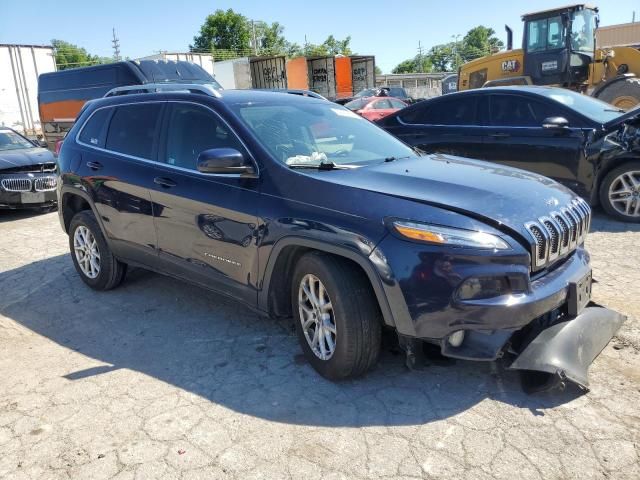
(116, 46)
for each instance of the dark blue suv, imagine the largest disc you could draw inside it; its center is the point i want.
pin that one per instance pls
(298, 207)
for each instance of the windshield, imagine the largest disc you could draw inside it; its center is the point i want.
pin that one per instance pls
(367, 92)
(590, 107)
(12, 141)
(357, 104)
(313, 132)
(582, 31)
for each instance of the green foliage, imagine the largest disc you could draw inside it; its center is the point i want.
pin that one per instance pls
(68, 55)
(418, 64)
(378, 70)
(447, 57)
(224, 30)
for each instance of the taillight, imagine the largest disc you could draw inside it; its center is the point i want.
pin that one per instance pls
(59, 146)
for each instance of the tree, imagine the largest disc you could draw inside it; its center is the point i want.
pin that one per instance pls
(223, 30)
(378, 70)
(68, 55)
(478, 42)
(418, 64)
(330, 47)
(270, 38)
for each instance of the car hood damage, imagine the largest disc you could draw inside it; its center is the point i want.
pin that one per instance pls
(492, 193)
(17, 160)
(565, 350)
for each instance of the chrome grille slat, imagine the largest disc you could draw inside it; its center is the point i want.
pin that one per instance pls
(559, 233)
(16, 184)
(45, 184)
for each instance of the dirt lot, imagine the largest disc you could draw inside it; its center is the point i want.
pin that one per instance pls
(159, 379)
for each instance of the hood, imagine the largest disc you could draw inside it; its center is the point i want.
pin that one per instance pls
(25, 157)
(494, 194)
(631, 114)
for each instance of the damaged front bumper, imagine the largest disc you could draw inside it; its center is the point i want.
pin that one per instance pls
(566, 349)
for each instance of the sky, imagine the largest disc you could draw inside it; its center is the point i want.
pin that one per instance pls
(389, 30)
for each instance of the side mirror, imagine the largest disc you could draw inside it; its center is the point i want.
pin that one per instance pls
(555, 123)
(40, 143)
(223, 161)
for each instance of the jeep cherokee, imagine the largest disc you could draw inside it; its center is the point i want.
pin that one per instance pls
(298, 207)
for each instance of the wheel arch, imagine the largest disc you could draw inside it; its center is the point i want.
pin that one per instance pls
(274, 296)
(73, 201)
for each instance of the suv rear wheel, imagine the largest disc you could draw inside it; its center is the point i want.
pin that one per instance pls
(91, 255)
(336, 315)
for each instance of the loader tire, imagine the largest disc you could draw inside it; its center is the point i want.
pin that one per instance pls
(623, 94)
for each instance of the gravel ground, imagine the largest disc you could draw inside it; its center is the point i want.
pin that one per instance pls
(159, 379)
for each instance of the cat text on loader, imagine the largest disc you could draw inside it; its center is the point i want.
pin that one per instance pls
(559, 49)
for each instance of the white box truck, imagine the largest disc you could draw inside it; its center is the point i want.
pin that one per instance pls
(252, 72)
(20, 66)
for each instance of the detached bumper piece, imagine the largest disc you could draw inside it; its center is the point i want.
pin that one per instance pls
(565, 350)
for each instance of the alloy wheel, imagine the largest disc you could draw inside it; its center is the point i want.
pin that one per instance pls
(317, 317)
(624, 193)
(86, 250)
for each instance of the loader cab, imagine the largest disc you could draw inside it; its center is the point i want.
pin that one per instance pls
(559, 45)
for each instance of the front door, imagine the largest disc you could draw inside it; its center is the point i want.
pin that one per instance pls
(207, 225)
(517, 138)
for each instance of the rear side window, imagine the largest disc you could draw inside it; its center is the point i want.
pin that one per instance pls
(396, 103)
(133, 129)
(459, 111)
(95, 129)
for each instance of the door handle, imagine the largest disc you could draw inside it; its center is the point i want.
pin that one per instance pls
(500, 135)
(164, 182)
(94, 165)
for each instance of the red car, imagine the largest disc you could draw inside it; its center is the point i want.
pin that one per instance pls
(374, 108)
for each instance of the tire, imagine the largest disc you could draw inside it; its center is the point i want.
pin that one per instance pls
(615, 209)
(622, 94)
(110, 272)
(355, 315)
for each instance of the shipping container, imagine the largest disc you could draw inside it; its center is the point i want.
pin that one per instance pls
(205, 60)
(252, 72)
(363, 72)
(20, 66)
(332, 77)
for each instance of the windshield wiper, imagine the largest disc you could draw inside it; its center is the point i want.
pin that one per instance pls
(393, 159)
(321, 166)
(618, 110)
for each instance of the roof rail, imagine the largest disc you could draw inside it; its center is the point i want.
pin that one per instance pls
(164, 87)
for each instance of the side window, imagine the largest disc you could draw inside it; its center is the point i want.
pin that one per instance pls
(193, 129)
(396, 103)
(381, 105)
(478, 78)
(134, 128)
(458, 111)
(514, 111)
(416, 114)
(95, 129)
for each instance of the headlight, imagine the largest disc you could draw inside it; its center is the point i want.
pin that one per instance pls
(457, 237)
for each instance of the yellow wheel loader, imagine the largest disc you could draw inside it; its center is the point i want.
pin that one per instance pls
(559, 49)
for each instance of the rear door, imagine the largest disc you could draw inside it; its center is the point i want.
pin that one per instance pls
(446, 125)
(118, 148)
(206, 224)
(516, 138)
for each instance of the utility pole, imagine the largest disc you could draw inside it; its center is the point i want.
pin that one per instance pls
(116, 46)
(420, 51)
(255, 40)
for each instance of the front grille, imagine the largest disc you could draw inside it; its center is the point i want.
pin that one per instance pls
(559, 233)
(45, 184)
(16, 184)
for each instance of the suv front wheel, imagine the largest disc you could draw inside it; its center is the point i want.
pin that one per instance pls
(336, 315)
(91, 255)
